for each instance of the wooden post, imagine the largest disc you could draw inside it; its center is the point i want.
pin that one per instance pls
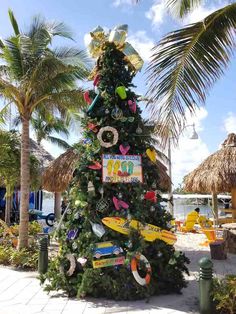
(233, 199)
(57, 205)
(215, 207)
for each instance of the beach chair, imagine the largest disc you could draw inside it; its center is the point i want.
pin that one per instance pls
(213, 235)
(191, 220)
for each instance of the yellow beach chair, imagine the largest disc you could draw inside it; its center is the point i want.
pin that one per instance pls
(191, 220)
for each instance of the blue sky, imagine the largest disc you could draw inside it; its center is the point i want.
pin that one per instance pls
(148, 22)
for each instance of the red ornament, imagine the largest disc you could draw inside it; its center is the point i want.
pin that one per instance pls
(96, 80)
(150, 196)
(95, 166)
(87, 98)
(92, 127)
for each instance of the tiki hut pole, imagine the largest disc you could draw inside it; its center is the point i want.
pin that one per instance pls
(215, 207)
(57, 205)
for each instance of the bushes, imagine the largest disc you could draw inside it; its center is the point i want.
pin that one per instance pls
(34, 228)
(224, 294)
(5, 254)
(24, 258)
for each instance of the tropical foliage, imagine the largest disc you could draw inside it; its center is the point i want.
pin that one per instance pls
(33, 75)
(44, 124)
(10, 167)
(187, 62)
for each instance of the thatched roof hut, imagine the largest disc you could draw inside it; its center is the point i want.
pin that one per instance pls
(41, 154)
(58, 175)
(217, 173)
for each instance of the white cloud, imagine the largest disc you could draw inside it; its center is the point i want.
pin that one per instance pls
(198, 14)
(87, 39)
(142, 43)
(157, 12)
(230, 123)
(118, 3)
(190, 153)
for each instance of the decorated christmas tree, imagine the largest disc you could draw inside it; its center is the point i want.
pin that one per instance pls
(115, 239)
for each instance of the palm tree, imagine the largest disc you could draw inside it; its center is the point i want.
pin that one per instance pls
(34, 75)
(187, 62)
(44, 124)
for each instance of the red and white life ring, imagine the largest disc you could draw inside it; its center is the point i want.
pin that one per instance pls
(134, 263)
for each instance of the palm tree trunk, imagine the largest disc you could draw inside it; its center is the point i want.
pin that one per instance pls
(8, 204)
(24, 185)
(57, 205)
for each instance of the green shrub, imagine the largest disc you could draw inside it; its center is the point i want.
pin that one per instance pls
(24, 258)
(34, 228)
(224, 294)
(5, 254)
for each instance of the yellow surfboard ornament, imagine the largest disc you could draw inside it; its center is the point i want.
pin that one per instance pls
(148, 231)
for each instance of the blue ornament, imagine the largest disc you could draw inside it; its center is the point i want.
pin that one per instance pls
(71, 234)
(87, 141)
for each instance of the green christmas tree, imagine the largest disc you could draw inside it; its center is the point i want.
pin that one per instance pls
(115, 239)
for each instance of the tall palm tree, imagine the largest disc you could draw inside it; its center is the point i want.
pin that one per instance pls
(44, 124)
(34, 75)
(187, 62)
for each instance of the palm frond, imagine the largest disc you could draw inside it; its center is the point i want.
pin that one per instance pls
(13, 57)
(179, 8)
(75, 57)
(16, 121)
(4, 114)
(185, 64)
(13, 22)
(59, 142)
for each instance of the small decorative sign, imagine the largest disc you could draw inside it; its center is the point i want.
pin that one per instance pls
(109, 262)
(122, 168)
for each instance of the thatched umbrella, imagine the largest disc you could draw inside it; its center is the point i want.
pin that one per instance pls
(59, 173)
(216, 174)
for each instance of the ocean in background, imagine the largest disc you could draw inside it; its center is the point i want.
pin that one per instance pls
(181, 209)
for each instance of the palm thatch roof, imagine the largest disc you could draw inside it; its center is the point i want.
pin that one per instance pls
(58, 175)
(217, 173)
(41, 154)
(44, 157)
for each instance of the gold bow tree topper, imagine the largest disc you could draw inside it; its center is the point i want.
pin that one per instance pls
(118, 37)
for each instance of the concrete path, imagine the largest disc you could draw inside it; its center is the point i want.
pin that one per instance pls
(20, 292)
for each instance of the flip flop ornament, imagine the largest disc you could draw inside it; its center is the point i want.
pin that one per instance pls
(124, 148)
(132, 105)
(152, 155)
(119, 204)
(95, 166)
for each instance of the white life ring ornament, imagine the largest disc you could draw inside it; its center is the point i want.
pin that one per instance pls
(108, 129)
(134, 263)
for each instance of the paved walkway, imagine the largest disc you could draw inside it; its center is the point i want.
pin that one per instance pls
(20, 292)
